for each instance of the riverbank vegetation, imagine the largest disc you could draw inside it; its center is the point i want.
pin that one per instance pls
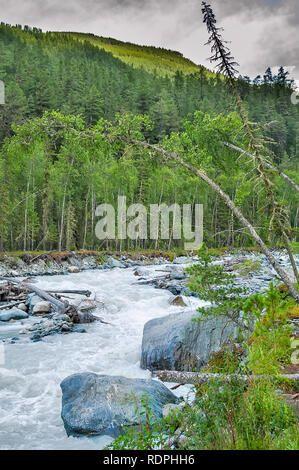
(229, 413)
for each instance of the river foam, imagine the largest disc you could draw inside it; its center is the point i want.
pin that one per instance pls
(30, 395)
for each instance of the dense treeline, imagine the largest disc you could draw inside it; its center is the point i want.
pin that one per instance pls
(52, 178)
(55, 171)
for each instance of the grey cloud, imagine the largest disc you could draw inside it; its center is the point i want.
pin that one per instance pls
(263, 32)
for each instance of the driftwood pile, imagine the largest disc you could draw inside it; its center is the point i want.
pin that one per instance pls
(14, 292)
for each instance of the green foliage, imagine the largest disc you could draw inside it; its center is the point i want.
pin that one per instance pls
(151, 433)
(248, 267)
(153, 59)
(156, 95)
(269, 349)
(55, 159)
(229, 360)
(270, 343)
(230, 416)
(214, 285)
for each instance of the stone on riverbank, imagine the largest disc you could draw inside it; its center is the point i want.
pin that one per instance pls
(13, 314)
(175, 342)
(114, 263)
(41, 307)
(102, 405)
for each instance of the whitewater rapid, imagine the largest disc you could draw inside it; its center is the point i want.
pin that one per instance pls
(30, 395)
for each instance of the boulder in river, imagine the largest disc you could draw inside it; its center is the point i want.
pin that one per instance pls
(22, 307)
(175, 287)
(13, 314)
(114, 263)
(175, 342)
(73, 269)
(102, 405)
(41, 307)
(31, 301)
(177, 275)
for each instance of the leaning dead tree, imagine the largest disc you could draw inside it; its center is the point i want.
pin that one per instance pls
(200, 173)
(267, 164)
(226, 65)
(200, 378)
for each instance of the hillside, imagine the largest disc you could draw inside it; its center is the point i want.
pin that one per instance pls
(152, 59)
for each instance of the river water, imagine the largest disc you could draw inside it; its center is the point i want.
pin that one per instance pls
(30, 373)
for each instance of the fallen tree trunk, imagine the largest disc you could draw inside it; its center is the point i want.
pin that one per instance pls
(87, 293)
(62, 307)
(7, 306)
(76, 315)
(199, 378)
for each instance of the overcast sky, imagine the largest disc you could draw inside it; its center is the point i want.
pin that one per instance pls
(262, 32)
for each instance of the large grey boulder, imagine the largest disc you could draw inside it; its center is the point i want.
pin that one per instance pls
(175, 342)
(102, 405)
(13, 314)
(114, 263)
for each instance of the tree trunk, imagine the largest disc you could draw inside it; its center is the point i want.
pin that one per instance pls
(86, 217)
(63, 208)
(26, 213)
(199, 378)
(58, 304)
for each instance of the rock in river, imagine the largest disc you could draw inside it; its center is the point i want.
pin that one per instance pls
(41, 308)
(73, 269)
(13, 314)
(175, 342)
(114, 263)
(102, 405)
(178, 301)
(31, 301)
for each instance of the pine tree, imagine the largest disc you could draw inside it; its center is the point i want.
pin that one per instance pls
(225, 63)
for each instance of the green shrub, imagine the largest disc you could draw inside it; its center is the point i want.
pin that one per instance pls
(151, 433)
(232, 416)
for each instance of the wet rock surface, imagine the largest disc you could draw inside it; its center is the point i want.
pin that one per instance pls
(102, 405)
(41, 308)
(12, 314)
(47, 327)
(175, 342)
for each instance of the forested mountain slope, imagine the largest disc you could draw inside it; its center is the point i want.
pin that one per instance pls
(65, 72)
(41, 197)
(153, 59)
